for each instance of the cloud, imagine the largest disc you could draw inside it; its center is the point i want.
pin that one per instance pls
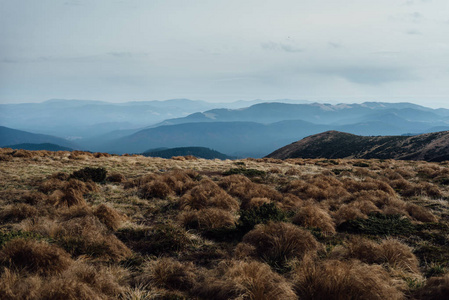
(76, 59)
(413, 32)
(127, 54)
(369, 75)
(73, 3)
(281, 47)
(334, 45)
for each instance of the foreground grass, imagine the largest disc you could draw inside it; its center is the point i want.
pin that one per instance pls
(77, 225)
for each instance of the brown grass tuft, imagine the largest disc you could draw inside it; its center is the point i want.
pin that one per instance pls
(333, 279)
(208, 218)
(278, 242)
(315, 217)
(17, 212)
(109, 216)
(168, 273)
(389, 252)
(244, 280)
(14, 286)
(155, 189)
(116, 178)
(34, 257)
(34, 198)
(436, 288)
(67, 198)
(420, 213)
(208, 194)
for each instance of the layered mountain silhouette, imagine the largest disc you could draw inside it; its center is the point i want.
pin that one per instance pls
(334, 144)
(43, 146)
(238, 131)
(9, 136)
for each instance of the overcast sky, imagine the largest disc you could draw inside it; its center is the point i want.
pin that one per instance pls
(225, 50)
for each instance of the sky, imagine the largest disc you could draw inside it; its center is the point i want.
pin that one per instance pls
(225, 50)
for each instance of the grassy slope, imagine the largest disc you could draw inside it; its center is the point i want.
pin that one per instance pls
(178, 229)
(334, 144)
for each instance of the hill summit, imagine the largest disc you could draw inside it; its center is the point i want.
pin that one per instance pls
(335, 144)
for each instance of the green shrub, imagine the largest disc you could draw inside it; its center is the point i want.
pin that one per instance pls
(257, 215)
(379, 224)
(88, 173)
(10, 235)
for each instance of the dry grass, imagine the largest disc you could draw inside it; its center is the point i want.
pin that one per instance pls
(109, 216)
(208, 218)
(436, 288)
(244, 280)
(315, 217)
(168, 273)
(334, 279)
(170, 228)
(276, 243)
(208, 194)
(34, 257)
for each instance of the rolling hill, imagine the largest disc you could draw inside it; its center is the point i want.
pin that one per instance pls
(334, 144)
(199, 152)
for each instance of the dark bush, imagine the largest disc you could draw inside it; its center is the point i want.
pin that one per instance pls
(88, 173)
(379, 224)
(257, 215)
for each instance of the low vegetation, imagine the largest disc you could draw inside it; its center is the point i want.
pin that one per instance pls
(79, 225)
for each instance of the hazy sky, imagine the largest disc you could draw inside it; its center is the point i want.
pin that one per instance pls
(225, 50)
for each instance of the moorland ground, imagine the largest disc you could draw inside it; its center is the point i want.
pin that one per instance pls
(77, 225)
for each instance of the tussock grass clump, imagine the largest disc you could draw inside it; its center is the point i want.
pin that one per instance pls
(108, 216)
(420, 213)
(244, 280)
(86, 235)
(333, 279)
(208, 218)
(156, 240)
(389, 252)
(34, 257)
(89, 173)
(107, 282)
(318, 188)
(116, 178)
(155, 189)
(436, 288)
(34, 198)
(67, 198)
(17, 212)
(14, 286)
(208, 194)
(314, 217)
(244, 189)
(276, 243)
(168, 273)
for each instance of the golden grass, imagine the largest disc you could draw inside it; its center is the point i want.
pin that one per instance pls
(334, 279)
(62, 238)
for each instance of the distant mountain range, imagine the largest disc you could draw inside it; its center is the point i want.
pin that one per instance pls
(334, 144)
(80, 119)
(43, 146)
(252, 131)
(199, 152)
(9, 136)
